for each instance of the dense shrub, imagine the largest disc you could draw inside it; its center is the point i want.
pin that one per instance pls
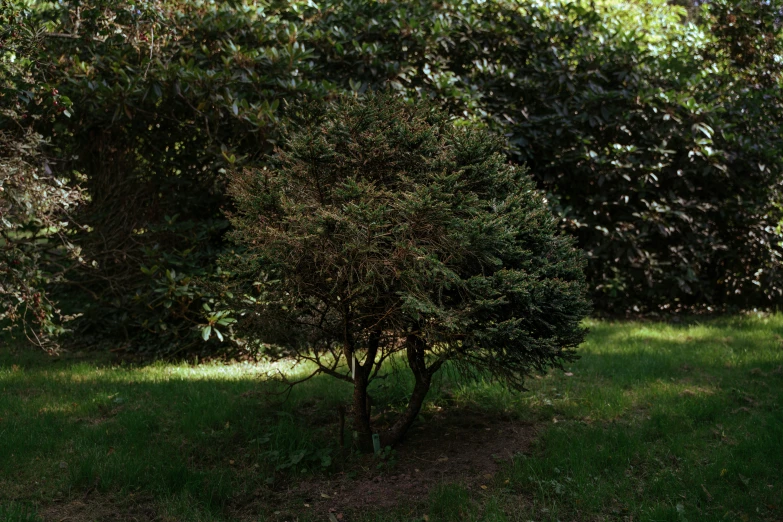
(656, 140)
(661, 156)
(380, 228)
(34, 204)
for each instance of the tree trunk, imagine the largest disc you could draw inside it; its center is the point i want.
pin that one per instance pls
(415, 351)
(394, 435)
(361, 399)
(361, 414)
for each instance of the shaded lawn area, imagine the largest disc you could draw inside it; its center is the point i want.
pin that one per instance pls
(655, 422)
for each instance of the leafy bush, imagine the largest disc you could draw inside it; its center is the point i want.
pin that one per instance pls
(381, 228)
(165, 97)
(34, 204)
(662, 158)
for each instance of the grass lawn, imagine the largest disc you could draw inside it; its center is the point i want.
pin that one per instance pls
(655, 422)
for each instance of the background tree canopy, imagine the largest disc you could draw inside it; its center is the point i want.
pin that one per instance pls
(654, 133)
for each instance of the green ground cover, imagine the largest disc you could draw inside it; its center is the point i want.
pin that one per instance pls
(655, 422)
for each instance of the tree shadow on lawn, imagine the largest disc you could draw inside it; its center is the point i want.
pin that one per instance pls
(458, 446)
(473, 450)
(77, 434)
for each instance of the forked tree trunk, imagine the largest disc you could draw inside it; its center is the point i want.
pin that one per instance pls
(394, 435)
(415, 351)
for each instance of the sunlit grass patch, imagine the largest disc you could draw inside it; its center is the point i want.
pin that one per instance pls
(673, 423)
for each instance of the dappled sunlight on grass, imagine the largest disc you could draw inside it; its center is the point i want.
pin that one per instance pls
(159, 372)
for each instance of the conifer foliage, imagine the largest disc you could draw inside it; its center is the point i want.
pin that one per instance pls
(383, 228)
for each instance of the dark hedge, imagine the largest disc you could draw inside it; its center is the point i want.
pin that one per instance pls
(656, 139)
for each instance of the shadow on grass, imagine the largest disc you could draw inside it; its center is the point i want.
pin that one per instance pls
(213, 433)
(205, 432)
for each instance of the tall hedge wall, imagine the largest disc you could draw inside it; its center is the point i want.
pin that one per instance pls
(655, 138)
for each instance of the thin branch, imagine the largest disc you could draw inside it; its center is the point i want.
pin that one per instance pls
(64, 35)
(325, 369)
(152, 46)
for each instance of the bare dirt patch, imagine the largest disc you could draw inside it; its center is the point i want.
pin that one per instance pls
(454, 447)
(461, 447)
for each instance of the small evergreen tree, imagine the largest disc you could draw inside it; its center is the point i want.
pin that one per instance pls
(384, 228)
